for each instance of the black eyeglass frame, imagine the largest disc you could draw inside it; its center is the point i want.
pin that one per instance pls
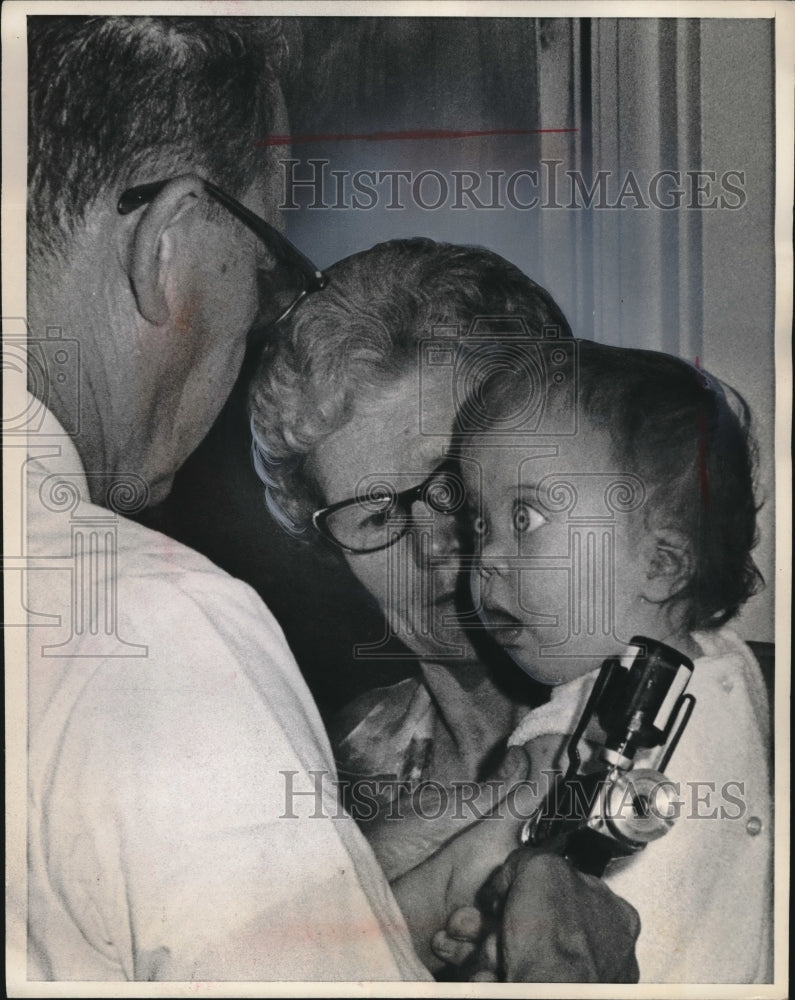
(401, 500)
(283, 250)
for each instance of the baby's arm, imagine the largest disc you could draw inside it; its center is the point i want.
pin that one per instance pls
(513, 792)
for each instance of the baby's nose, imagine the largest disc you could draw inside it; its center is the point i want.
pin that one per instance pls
(495, 577)
(494, 556)
(494, 592)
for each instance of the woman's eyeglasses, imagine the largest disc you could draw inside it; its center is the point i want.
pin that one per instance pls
(380, 515)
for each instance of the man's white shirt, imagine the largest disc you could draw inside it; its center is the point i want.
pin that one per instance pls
(170, 736)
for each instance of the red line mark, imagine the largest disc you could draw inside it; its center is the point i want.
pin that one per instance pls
(703, 470)
(296, 140)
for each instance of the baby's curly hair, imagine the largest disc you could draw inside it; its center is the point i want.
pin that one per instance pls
(688, 437)
(360, 335)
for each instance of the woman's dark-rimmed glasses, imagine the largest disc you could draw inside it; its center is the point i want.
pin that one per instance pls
(380, 515)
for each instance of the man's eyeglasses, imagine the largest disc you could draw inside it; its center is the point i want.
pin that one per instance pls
(381, 515)
(281, 287)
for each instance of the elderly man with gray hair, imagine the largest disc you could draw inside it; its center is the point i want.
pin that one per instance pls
(165, 708)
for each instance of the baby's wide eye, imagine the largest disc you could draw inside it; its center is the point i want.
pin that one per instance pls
(479, 527)
(526, 518)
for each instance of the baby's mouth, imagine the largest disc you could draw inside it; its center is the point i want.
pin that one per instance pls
(507, 628)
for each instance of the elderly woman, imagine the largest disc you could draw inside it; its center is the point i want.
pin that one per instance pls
(352, 413)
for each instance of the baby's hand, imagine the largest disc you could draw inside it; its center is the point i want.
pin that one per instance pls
(460, 939)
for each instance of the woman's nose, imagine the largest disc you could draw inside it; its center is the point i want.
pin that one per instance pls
(440, 529)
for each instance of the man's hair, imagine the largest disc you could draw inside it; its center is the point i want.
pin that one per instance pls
(359, 336)
(688, 438)
(115, 101)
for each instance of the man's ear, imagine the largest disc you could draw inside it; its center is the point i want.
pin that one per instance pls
(153, 242)
(668, 564)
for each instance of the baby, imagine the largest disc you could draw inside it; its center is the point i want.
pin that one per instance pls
(626, 507)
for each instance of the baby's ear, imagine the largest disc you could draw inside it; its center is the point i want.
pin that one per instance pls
(668, 564)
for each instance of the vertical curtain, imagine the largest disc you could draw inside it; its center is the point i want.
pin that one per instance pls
(631, 88)
(694, 97)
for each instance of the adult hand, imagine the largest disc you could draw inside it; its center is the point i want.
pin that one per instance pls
(540, 920)
(403, 843)
(452, 876)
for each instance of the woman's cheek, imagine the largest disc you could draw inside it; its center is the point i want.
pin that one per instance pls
(372, 570)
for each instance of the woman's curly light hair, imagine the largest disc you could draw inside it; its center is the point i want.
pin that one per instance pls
(360, 335)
